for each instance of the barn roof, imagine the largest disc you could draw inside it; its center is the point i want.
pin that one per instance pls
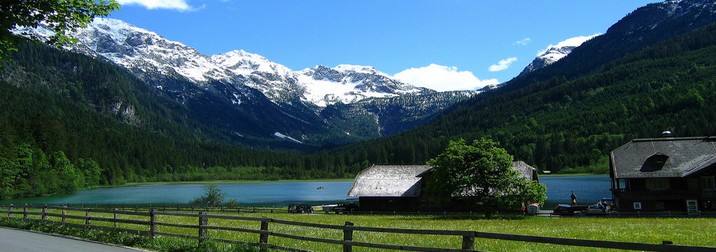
(406, 180)
(526, 171)
(388, 181)
(663, 157)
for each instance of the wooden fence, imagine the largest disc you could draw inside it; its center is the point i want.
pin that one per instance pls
(148, 220)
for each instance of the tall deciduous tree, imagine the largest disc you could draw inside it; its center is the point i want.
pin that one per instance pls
(62, 16)
(482, 174)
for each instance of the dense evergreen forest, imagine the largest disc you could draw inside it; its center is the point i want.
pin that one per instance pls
(561, 124)
(68, 121)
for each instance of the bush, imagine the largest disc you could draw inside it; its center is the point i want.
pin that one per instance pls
(213, 197)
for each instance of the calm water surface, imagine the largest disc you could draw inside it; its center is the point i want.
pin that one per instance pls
(589, 189)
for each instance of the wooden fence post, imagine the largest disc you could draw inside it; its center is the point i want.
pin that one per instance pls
(203, 221)
(152, 221)
(347, 237)
(468, 241)
(87, 217)
(263, 237)
(24, 212)
(64, 212)
(9, 212)
(114, 217)
(44, 214)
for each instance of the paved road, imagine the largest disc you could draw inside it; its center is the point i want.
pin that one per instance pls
(12, 240)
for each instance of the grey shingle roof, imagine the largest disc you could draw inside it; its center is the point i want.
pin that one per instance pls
(388, 181)
(526, 171)
(642, 158)
(406, 180)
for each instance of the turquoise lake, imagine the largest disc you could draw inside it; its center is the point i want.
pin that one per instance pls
(589, 189)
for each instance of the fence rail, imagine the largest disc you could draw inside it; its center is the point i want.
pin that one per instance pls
(150, 224)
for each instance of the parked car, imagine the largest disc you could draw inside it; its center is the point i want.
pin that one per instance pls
(565, 209)
(329, 208)
(596, 209)
(299, 208)
(604, 206)
(345, 207)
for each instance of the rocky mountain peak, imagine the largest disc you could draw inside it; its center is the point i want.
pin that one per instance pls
(553, 53)
(652, 16)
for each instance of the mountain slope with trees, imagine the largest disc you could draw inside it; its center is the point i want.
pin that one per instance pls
(566, 122)
(69, 121)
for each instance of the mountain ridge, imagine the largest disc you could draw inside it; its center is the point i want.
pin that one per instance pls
(630, 82)
(246, 94)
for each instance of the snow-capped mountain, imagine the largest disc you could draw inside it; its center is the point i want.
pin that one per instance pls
(667, 18)
(553, 53)
(651, 23)
(148, 54)
(350, 83)
(246, 93)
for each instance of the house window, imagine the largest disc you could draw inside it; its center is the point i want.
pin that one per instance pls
(657, 184)
(708, 183)
(637, 205)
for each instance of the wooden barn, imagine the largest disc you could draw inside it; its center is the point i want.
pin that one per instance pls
(400, 187)
(389, 187)
(526, 171)
(665, 174)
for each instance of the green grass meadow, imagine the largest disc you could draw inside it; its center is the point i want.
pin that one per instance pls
(681, 231)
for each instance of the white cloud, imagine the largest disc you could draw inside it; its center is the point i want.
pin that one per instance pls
(180, 5)
(523, 41)
(443, 78)
(576, 41)
(503, 64)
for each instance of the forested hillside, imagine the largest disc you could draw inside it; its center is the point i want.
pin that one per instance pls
(69, 121)
(560, 122)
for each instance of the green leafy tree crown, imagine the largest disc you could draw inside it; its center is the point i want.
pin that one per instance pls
(482, 174)
(62, 16)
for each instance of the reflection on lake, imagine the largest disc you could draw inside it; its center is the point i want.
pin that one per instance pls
(589, 189)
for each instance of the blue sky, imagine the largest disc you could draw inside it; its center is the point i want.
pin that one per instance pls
(451, 44)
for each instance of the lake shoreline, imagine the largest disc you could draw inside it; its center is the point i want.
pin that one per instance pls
(230, 182)
(588, 188)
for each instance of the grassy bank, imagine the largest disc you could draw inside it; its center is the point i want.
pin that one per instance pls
(681, 231)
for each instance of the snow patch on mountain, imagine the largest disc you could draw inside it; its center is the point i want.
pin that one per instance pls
(148, 54)
(134, 47)
(351, 83)
(245, 63)
(283, 136)
(554, 53)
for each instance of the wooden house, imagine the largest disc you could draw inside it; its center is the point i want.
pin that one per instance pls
(400, 187)
(664, 174)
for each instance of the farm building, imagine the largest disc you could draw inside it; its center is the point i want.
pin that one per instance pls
(664, 174)
(400, 187)
(389, 187)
